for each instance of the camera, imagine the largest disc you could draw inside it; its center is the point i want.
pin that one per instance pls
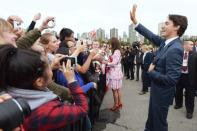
(16, 24)
(12, 113)
(72, 59)
(52, 23)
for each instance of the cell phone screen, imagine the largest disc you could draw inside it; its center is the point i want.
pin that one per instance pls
(72, 59)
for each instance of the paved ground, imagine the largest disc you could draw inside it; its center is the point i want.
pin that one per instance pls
(134, 113)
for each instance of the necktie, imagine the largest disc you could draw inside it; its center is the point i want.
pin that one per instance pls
(185, 56)
(184, 67)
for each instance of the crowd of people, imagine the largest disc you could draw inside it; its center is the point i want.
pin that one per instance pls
(55, 73)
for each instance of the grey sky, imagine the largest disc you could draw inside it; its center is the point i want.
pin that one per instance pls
(86, 15)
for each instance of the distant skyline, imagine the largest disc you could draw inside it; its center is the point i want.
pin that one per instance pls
(86, 15)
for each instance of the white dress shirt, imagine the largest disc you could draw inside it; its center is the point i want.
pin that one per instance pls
(185, 63)
(170, 40)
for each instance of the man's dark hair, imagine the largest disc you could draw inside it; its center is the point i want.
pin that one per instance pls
(179, 20)
(65, 32)
(136, 45)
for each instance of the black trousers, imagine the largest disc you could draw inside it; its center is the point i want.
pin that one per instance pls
(137, 71)
(146, 82)
(130, 73)
(189, 93)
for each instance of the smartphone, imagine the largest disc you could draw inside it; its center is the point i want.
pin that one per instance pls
(72, 59)
(17, 24)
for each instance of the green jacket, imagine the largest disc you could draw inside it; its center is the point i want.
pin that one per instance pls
(26, 41)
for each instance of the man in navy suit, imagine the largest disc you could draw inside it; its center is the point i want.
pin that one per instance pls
(165, 70)
(147, 59)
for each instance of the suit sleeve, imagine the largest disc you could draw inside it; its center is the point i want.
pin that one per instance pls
(149, 35)
(148, 61)
(174, 61)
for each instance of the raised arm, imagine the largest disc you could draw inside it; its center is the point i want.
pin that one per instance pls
(30, 38)
(33, 23)
(143, 30)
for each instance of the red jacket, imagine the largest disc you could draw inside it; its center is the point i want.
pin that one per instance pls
(55, 114)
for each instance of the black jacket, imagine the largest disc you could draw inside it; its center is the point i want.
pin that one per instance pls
(192, 68)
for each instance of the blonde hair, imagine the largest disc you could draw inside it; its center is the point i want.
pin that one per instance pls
(150, 47)
(4, 27)
(45, 38)
(144, 47)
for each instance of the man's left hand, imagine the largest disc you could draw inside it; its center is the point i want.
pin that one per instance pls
(151, 67)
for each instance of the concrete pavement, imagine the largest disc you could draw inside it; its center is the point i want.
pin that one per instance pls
(135, 111)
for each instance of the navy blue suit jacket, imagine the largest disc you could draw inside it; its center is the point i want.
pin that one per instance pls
(147, 61)
(168, 63)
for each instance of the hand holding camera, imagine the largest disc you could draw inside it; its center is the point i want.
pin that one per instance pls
(15, 20)
(68, 71)
(72, 59)
(81, 46)
(49, 22)
(55, 64)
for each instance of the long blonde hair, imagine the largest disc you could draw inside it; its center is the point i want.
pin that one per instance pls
(4, 27)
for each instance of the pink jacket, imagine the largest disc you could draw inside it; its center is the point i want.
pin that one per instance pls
(115, 71)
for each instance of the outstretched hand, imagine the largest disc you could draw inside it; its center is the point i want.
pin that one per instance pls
(37, 17)
(14, 18)
(133, 14)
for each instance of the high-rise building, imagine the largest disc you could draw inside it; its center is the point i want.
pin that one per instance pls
(85, 35)
(124, 36)
(193, 37)
(185, 37)
(140, 38)
(160, 25)
(100, 34)
(78, 36)
(132, 34)
(107, 37)
(113, 32)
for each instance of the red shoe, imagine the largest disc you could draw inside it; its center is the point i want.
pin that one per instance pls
(120, 106)
(115, 108)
